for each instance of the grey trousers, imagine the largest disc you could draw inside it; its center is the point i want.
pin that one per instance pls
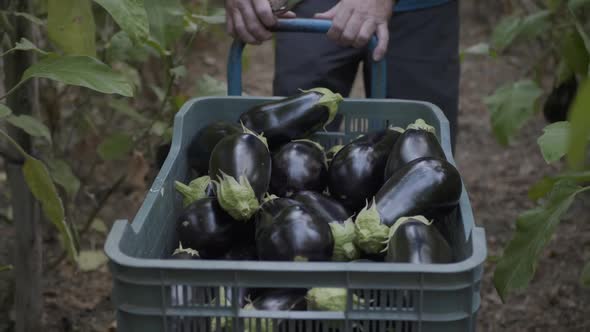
(422, 59)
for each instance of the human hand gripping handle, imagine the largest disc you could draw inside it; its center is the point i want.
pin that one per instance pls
(250, 20)
(354, 22)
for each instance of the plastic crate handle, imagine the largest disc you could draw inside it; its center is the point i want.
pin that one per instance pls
(234, 65)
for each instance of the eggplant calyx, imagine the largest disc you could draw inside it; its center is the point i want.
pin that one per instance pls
(398, 129)
(344, 237)
(318, 145)
(236, 198)
(421, 125)
(402, 221)
(329, 99)
(194, 191)
(370, 233)
(335, 149)
(260, 136)
(329, 299)
(269, 197)
(189, 251)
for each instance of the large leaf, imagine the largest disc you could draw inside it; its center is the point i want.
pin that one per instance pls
(579, 117)
(574, 52)
(43, 189)
(545, 185)
(62, 174)
(534, 229)
(513, 28)
(554, 141)
(80, 70)
(165, 18)
(585, 276)
(115, 146)
(130, 15)
(30, 125)
(90, 260)
(4, 111)
(510, 106)
(70, 25)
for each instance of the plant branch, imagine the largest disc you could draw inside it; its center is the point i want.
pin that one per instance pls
(14, 144)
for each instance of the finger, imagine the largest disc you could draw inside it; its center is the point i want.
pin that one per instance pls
(264, 12)
(229, 25)
(328, 15)
(253, 24)
(339, 23)
(288, 14)
(351, 30)
(365, 34)
(383, 36)
(241, 30)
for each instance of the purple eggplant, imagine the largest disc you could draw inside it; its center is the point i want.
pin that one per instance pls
(418, 141)
(297, 166)
(356, 172)
(295, 117)
(199, 149)
(240, 165)
(417, 242)
(327, 208)
(295, 234)
(428, 187)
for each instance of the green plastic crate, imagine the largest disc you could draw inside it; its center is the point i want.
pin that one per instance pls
(152, 293)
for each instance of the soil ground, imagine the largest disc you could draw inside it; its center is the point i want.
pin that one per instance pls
(496, 178)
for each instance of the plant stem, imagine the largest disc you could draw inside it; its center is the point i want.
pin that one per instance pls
(14, 144)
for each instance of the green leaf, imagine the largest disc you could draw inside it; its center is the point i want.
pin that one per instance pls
(535, 24)
(25, 45)
(505, 32)
(217, 19)
(80, 70)
(585, 277)
(62, 174)
(579, 117)
(165, 19)
(90, 260)
(4, 111)
(115, 146)
(159, 128)
(121, 48)
(123, 107)
(31, 18)
(544, 186)
(70, 26)
(99, 226)
(554, 141)
(477, 49)
(4, 268)
(574, 53)
(577, 4)
(39, 182)
(30, 125)
(534, 229)
(130, 15)
(510, 106)
(513, 28)
(210, 86)
(179, 71)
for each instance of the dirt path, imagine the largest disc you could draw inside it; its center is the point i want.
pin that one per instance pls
(496, 178)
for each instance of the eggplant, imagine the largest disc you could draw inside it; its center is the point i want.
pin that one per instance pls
(244, 251)
(199, 149)
(295, 234)
(330, 154)
(356, 172)
(557, 105)
(416, 242)
(280, 300)
(429, 187)
(418, 141)
(205, 227)
(291, 118)
(269, 210)
(297, 166)
(327, 208)
(240, 165)
(198, 188)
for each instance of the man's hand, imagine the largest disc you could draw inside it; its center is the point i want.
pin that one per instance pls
(355, 21)
(249, 20)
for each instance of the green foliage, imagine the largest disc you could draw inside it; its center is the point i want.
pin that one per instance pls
(554, 141)
(63, 175)
(130, 15)
(534, 228)
(513, 28)
(5, 268)
(510, 106)
(39, 182)
(580, 127)
(80, 70)
(574, 52)
(24, 45)
(585, 276)
(90, 260)
(4, 111)
(70, 26)
(545, 185)
(30, 125)
(165, 20)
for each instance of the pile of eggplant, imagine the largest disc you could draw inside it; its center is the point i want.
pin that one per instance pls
(263, 190)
